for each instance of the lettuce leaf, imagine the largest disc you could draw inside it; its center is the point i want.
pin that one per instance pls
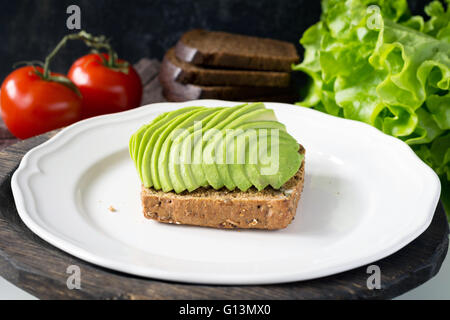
(370, 60)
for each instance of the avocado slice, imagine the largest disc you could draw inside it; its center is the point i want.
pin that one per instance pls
(178, 158)
(147, 134)
(141, 142)
(272, 167)
(131, 146)
(162, 136)
(143, 134)
(194, 178)
(289, 161)
(137, 137)
(218, 180)
(181, 129)
(230, 147)
(153, 146)
(221, 120)
(234, 146)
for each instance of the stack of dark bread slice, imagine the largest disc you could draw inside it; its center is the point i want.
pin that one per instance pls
(219, 65)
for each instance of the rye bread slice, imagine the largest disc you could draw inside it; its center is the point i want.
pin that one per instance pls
(221, 49)
(267, 209)
(178, 92)
(184, 72)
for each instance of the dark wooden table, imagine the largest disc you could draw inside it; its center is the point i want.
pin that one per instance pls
(39, 268)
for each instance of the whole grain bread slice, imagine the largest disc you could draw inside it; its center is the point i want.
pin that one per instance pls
(267, 209)
(221, 49)
(185, 72)
(178, 92)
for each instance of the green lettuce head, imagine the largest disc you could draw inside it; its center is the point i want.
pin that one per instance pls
(372, 61)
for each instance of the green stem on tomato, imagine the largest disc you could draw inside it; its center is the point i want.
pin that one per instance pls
(98, 43)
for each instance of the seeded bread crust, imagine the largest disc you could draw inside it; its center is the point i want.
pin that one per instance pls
(221, 49)
(267, 209)
(178, 92)
(184, 72)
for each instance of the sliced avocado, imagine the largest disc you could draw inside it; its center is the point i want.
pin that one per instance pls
(133, 142)
(140, 133)
(131, 146)
(234, 146)
(167, 184)
(289, 162)
(154, 163)
(251, 164)
(177, 158)
(153, 146)
(242, 146)
(221, 120)
(141, 142)
(218, 180)
(194, 178)
(147, 134)
(272, 167)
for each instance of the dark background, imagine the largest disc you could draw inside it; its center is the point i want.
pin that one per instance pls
(29, 29)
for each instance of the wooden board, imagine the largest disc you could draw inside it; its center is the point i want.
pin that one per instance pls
(39, 268)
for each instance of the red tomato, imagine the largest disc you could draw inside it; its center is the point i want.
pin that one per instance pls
(31, 105)
(104, 89)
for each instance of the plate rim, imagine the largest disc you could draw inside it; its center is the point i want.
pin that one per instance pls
(73, 249)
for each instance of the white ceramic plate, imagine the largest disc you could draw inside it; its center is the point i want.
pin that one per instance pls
(366, 195)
